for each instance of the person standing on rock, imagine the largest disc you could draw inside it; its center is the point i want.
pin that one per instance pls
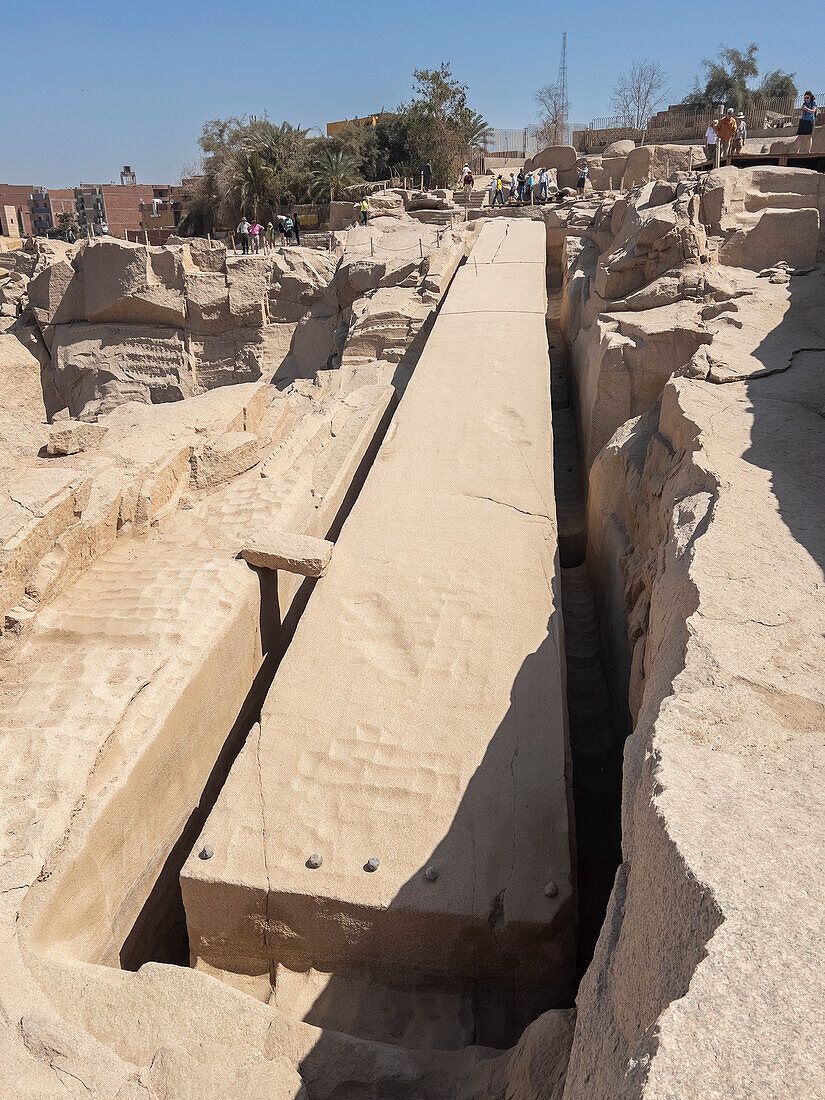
(427, 175)
(513, 188)
(365, 212)
(243, 233)
(296, 225)
(807, 121)
(468, 182)
(544, 179)
(711, 139)
(498, 192)
(584, 172)
(255, 231)
(270, 235)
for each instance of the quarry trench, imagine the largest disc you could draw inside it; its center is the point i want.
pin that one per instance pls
(491, 1003)
(595, 728)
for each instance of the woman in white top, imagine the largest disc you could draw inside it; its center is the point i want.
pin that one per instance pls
(711, 138)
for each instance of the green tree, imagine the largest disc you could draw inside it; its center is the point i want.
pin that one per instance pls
(333, 170)
(726, 81)
(396, 155)
(247, 183)
(361, 144)
(476, 130)
(778, 85)
(286, 151)
(440, 124)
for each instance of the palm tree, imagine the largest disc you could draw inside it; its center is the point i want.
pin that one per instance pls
(333, 170)
(476, 130)
(246, 182)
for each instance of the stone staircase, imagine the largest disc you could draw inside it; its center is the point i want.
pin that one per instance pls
(437, 217)
(479, 196)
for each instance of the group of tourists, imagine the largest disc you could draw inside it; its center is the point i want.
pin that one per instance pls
(730, 132)
(527, 187)
(530, 187)
(254, 238)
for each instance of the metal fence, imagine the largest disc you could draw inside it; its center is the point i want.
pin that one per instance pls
(512, 143)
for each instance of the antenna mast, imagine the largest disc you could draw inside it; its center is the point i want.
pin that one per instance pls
(561, 83)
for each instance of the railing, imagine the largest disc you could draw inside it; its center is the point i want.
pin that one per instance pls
(597, 139)
(673, 124)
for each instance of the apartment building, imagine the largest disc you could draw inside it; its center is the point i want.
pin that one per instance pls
(15, 213)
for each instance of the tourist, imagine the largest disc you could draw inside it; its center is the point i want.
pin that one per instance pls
(498, 192)
(468, 182)
(255, 231)
(426, 175)
(288, 229)
(528, 188)
(584, 172)
(738, 141)
(296, 227)
(726, 130)
(521, 181)
(711, 139)
(544, 179)
(492, 190)
(807, 121)
(512, 196)
(365, 211)
(270, 235)
(243, 233)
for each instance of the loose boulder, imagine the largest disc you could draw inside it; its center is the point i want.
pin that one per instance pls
(650, 162)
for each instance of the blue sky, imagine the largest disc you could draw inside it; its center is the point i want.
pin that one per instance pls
(107, 84)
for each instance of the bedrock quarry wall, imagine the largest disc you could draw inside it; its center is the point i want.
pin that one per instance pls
(433, 736)
(698, 347)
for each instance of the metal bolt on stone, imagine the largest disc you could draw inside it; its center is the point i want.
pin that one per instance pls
(551, 890)
(314, 861)
(206, 852)
(372, 864)
(431, 874)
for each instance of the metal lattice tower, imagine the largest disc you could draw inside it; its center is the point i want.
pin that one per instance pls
(561, 82)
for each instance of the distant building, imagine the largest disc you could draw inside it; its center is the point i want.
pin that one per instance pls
(159, 211)
(15, 212)
(119, 206)
(45, 205)
(367, 121)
